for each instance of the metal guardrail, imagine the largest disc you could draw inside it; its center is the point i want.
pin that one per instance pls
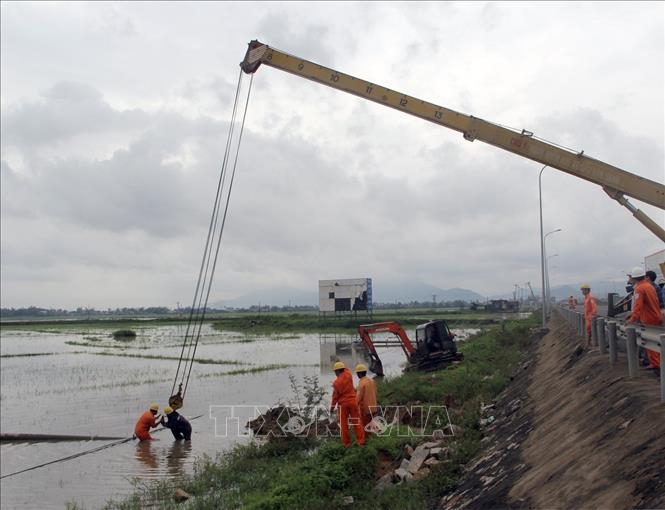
(610, 333)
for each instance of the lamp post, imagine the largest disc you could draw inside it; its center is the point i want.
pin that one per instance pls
(546, 280)
(542, 240)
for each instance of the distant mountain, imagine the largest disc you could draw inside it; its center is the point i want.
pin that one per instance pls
(599, 288)
(405, 292)
(383, 292)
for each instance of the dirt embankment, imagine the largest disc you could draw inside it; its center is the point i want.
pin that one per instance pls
(571, 431)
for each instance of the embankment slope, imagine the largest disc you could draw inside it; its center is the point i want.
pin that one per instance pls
(571, 431)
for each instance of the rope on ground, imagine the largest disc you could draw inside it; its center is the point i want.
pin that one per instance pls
(85, 452)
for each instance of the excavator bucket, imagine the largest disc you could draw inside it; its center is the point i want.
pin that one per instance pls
(375, 365)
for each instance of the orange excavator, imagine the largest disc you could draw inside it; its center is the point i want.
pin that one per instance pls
(434, 348)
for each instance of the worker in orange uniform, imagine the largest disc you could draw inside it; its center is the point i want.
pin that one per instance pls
(148, 420)
(344, 397)
(572, 303)
(646, 309)
(590, 310)
(366, 395)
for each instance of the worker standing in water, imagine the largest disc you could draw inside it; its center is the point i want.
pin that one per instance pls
(590, 310)
(366, 395)
(179, 425)
(344, 397)
(147, 421)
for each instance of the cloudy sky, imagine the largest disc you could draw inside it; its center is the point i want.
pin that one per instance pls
(115, 118)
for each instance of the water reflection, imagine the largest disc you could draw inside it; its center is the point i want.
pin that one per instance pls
(175, 458)
(147, 455)
(339, 347)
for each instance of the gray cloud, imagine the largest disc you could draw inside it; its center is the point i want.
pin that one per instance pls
(107, 181)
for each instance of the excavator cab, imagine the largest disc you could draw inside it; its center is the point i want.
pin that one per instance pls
(434, 336)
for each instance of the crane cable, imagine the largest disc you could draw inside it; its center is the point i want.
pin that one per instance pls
(207, 271)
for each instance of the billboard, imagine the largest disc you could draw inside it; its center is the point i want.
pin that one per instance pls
(655, 262)
(350, 295)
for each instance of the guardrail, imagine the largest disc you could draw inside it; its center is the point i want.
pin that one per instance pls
(610, 333)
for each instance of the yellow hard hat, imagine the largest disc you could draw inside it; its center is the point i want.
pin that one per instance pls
(585, 286)
(154, 407)
(168, 410)
(338, 366)
(361, 368)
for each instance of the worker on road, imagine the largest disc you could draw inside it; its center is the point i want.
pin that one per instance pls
(147, 421)
(590, 310)
(651, 275)
(572, 303)
(646, 309)
(344, 397)
(179, 425)
(366, 395)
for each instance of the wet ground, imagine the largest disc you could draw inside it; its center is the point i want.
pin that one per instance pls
(84, 382)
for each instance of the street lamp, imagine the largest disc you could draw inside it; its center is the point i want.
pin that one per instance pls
(546, 278)
(542, 241)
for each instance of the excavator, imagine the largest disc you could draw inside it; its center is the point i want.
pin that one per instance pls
(617, 183)
(434, 348)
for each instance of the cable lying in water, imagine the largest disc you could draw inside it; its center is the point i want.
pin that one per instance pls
(86, 452)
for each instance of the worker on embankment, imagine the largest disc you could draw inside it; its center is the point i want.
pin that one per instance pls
(147, 421)
(344, 397)
(179, 425)
(590, 310)
(366, 395)
(646, 309)
(572, 303)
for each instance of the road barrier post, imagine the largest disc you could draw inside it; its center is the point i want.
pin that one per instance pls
(631, 345)
(612, 337)
(601, 334)
(594, 333)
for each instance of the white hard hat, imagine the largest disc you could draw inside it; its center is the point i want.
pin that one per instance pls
(636, 272)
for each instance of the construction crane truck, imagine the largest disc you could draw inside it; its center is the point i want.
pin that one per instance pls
(617, 183)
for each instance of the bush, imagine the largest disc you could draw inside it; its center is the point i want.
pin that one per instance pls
(124, 335)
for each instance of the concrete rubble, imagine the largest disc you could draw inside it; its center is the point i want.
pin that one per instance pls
(417, 462)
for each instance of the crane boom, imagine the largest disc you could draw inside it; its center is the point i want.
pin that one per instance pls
(615, 181)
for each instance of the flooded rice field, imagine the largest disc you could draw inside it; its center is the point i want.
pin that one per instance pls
(84, 382)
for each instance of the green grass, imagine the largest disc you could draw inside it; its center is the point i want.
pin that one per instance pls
(280, 323)
(124, 335)
(202, 361)
(318, 473)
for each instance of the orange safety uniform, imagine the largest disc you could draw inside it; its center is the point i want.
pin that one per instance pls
(143, 426)
(344, 396)
(590, 309)
(647, 311)
(366, 396)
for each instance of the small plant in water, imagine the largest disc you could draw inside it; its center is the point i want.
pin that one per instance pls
(124, 335)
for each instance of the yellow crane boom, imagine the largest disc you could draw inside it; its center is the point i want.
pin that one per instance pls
(616, 182)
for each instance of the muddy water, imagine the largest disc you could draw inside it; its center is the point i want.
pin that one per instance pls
(63, 388)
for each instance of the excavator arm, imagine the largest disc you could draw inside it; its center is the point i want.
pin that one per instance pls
(365, 333)
(616, 182)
